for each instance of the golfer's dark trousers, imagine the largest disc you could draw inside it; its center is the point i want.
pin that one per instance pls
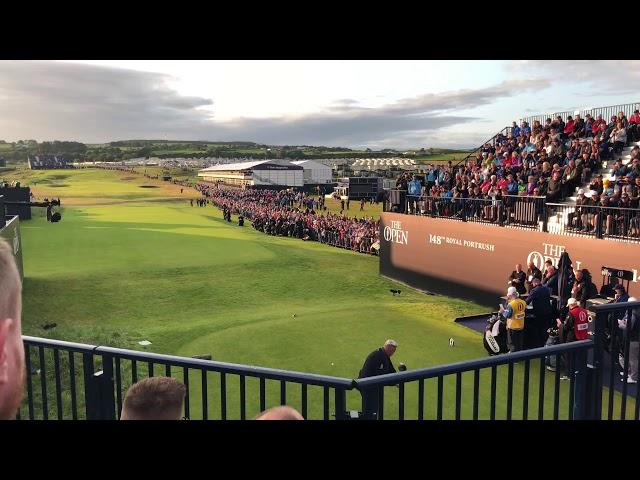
(515, 339)
(370, 403)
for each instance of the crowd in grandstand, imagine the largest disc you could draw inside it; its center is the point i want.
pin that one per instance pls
(547, 161)
(48, 162)
(295, 214)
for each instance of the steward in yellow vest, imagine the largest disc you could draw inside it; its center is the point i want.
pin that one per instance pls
(514, 314)
(516, 320)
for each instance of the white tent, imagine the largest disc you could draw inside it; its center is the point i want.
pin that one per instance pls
(314, 172)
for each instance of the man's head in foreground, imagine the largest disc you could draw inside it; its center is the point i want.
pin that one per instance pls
(155, 398)
(280, 413)
(11, 348)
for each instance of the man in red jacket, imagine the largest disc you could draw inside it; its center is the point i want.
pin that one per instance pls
(575, 327)
(568, 128)
(595, 126)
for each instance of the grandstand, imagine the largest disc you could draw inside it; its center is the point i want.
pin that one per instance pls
(48, 162)
(574, 177)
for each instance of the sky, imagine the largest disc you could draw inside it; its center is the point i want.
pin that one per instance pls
(355, 104)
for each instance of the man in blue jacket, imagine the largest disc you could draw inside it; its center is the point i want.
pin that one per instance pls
(413, 194)
(540, 298)
(550, 278)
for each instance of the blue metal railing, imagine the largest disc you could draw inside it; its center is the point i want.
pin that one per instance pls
(78, 381)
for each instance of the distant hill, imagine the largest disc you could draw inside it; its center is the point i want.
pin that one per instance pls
(119, 150)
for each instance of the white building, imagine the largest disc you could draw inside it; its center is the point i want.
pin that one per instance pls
(264, 173)
(315, 173)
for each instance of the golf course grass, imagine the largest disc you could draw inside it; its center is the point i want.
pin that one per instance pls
(128, 264)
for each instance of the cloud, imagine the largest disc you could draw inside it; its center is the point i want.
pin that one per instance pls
(51, 100)
(602, 76)
(90, 103)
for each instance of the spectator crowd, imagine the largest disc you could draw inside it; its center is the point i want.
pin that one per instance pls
(295, 214)
(546, 162)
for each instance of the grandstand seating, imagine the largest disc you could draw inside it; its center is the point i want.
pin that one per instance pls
(48, 162)
(515, 163)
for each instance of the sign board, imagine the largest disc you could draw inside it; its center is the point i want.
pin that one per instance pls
(471, 260)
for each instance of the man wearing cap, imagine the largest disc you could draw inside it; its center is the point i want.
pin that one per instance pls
(574, 327)
(514, 313)
(377, 363)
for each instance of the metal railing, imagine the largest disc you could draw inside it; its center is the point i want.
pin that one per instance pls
(526, 212)
(334, 239)
(75, 381)
(594, 221)
(508, 210)
(606, 112)
(610, 342)
(504, 132)
(78, 381)
(520, 377)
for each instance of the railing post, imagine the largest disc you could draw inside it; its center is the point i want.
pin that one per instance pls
(107, 390)
(91, 401)
(98, 389)
(499, 213)
(370, 400)
(341, 404)
(580, 384)
(599, 215)
(593, 404)
(545, 216)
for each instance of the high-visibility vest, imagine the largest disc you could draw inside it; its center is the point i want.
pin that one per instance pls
(516, 320)
(580, 322)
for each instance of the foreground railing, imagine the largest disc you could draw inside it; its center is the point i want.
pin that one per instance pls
(76, 381)
(519, 378)
(67, 380)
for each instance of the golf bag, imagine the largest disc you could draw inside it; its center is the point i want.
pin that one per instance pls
(494, 339)
(553, 339)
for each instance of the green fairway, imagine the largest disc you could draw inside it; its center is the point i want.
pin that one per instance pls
(127, 264)
(190, 283)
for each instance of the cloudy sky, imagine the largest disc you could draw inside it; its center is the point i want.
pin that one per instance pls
(376, 104)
